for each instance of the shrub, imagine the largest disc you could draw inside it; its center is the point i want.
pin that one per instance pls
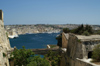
(96, 53)
(53, 46)
(85, 30)
(26, 57)
(79, 40)
(7, 35)
(38, 61)
(59, 39)
(97, 32)
(4, 55)
(66, 30)
(86, 33)
(53, 57)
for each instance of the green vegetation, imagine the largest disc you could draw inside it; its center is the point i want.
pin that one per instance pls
(7, 35)
(96, 53)
(4, 55)
(38, 61)
(66, 30)
(2, 26)
(26, 57)
(79, 40)
(81, 30)
(97, 32)
(53, 46)
(53, 58)
(59, 39)
(86, 33)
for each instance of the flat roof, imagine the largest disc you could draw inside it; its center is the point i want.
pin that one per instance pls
(87, 38)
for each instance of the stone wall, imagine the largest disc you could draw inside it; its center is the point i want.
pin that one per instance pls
(76, 62)
(76, 49)
(4, 46)
(88, 46)
(67, 61)
(64, 41)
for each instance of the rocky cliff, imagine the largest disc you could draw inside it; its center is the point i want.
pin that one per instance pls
(4, 45)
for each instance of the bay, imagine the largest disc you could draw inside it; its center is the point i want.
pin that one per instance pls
(34, 41)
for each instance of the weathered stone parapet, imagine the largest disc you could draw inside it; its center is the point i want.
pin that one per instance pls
(65, 38)
(88, 38)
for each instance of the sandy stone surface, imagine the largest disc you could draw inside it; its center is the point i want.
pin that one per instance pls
(86, 38)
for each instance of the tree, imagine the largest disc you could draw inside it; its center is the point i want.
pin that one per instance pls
(53, 57)
(86, 33)
(66, 30)
(81, 30)
(25, 57)
(38, 61)
(59, 39)
(21, 56)
(96, 53)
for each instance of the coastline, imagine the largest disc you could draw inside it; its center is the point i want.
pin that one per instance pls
(17, 35)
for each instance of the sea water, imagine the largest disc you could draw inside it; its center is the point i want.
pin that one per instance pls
(34, 41)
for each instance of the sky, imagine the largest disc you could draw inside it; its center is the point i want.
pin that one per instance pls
(51, 11)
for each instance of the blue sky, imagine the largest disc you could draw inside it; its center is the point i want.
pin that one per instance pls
(51, 11)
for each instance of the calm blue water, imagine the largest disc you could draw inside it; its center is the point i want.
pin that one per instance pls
(33, 41)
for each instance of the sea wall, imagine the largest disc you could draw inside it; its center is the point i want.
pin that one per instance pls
(4, 45)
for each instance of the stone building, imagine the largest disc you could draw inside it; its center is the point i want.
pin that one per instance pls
(79, 48)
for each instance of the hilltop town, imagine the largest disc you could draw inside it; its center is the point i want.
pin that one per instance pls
(38, 28)
(15, 30)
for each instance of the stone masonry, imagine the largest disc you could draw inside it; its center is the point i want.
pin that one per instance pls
(79, 47)
(4, 43)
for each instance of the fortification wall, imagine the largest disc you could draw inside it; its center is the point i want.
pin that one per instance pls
(68, 61)
(88, 46)
(64, 41)
(4, 45)
(76, 49)
(77, 62)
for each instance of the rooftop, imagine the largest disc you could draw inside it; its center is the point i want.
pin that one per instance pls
(87, 38)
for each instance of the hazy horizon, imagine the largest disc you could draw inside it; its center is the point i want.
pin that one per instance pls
(51, 12)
